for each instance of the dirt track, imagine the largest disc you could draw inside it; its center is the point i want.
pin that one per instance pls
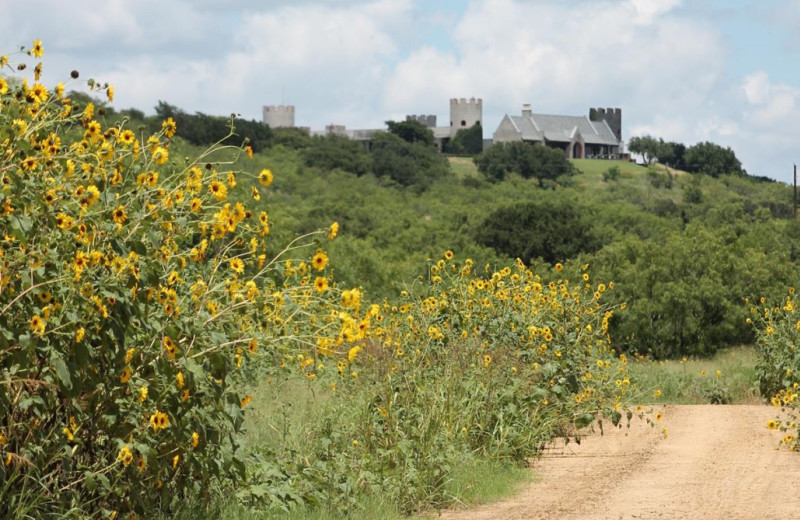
(717, 462)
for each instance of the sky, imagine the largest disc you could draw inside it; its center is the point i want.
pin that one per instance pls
(725, 71)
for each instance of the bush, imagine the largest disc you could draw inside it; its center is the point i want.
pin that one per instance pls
(530, 161)
(134, 299)
(553, 231)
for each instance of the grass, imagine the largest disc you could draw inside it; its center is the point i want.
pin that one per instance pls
(597, 166)
(280, 418)
(463, 167)
(695, 381)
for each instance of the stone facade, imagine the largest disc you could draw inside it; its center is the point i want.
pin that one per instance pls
(279, 116)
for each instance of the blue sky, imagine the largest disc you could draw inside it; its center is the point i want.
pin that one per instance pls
(684, 70)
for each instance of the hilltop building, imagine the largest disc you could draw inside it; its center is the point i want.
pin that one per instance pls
(598, 136)
(279, 116)
(464, 113)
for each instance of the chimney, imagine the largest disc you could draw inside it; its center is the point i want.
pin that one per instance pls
(526, 110)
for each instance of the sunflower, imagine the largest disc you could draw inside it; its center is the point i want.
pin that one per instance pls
(319, 261)
(37, 325)
(256, 194)
(218, 190)
(237, 265)
(334, 230)
(37, 51)
(169, 126)
(321, 284)
(195, 439)
(125, 456)
(160, 155)
(265, 177)
(119, 215)
(127, 137)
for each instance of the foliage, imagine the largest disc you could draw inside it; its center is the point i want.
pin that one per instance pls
(549, 230)
(411, 131)
(470, 363)
(467, 141)
(611, 174)
(712, 159)
(134, 301)
(778, 330)
(205, 130)
(530, 161)
(646, 146)
(409, 164)
(335, 151)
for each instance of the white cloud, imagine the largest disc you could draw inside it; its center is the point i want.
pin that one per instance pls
(647, 11)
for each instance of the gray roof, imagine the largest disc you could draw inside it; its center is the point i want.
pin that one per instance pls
(563, 128)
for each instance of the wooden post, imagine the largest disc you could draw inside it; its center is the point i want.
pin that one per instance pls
(795, 191)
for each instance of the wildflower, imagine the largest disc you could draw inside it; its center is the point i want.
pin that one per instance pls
(247, 399)
(772, 424)
(3, 86)
(110, 93)
(68, 434)
(249, 150)
(195, 439)
(175, 461)
(125, 376)
(256, 194)
(236, 265)
(29, 163)
(319, 261)
(160, 155)
(321, 284)
(487, 360)
(659, 416)
(170, 347)
(79, 335)
(231, 179)
(125, 455)
(37, 325)
(169, 127)
(127, 137)
(37, 51)
(657, 393)
(265, 177)
(218, 190)
(142, 394)
(559, 267)
(179, 381)
(334, 230)
(159, 421)
(119, 215)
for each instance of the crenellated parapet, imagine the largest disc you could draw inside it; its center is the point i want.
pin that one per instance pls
(279, 116)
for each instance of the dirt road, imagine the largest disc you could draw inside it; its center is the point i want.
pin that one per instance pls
(717, 462)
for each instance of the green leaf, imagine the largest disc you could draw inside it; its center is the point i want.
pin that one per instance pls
(62, 371)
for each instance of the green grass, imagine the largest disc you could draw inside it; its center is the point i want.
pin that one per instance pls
(463, 167)
(694, 381)
(598, 166)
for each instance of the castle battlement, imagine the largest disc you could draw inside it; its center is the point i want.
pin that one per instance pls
(279, 116)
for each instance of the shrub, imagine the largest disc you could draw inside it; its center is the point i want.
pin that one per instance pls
(553, 231)
(134, 297)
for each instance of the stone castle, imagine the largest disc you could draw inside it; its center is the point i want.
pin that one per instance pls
(598, 135)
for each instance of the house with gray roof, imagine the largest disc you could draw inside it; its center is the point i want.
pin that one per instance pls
(597, 136)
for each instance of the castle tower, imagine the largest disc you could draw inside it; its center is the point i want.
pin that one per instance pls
(279, 116)
(465, 113)
(612, 116)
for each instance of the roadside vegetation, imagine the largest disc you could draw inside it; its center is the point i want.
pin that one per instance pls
(201, 315)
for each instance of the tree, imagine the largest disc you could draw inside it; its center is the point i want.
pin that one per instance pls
(407, 163)
(336, 151)
(530, 161)
(713, 160)
(411, 131)
(554, 231)
(467, 141)
(646, 146)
